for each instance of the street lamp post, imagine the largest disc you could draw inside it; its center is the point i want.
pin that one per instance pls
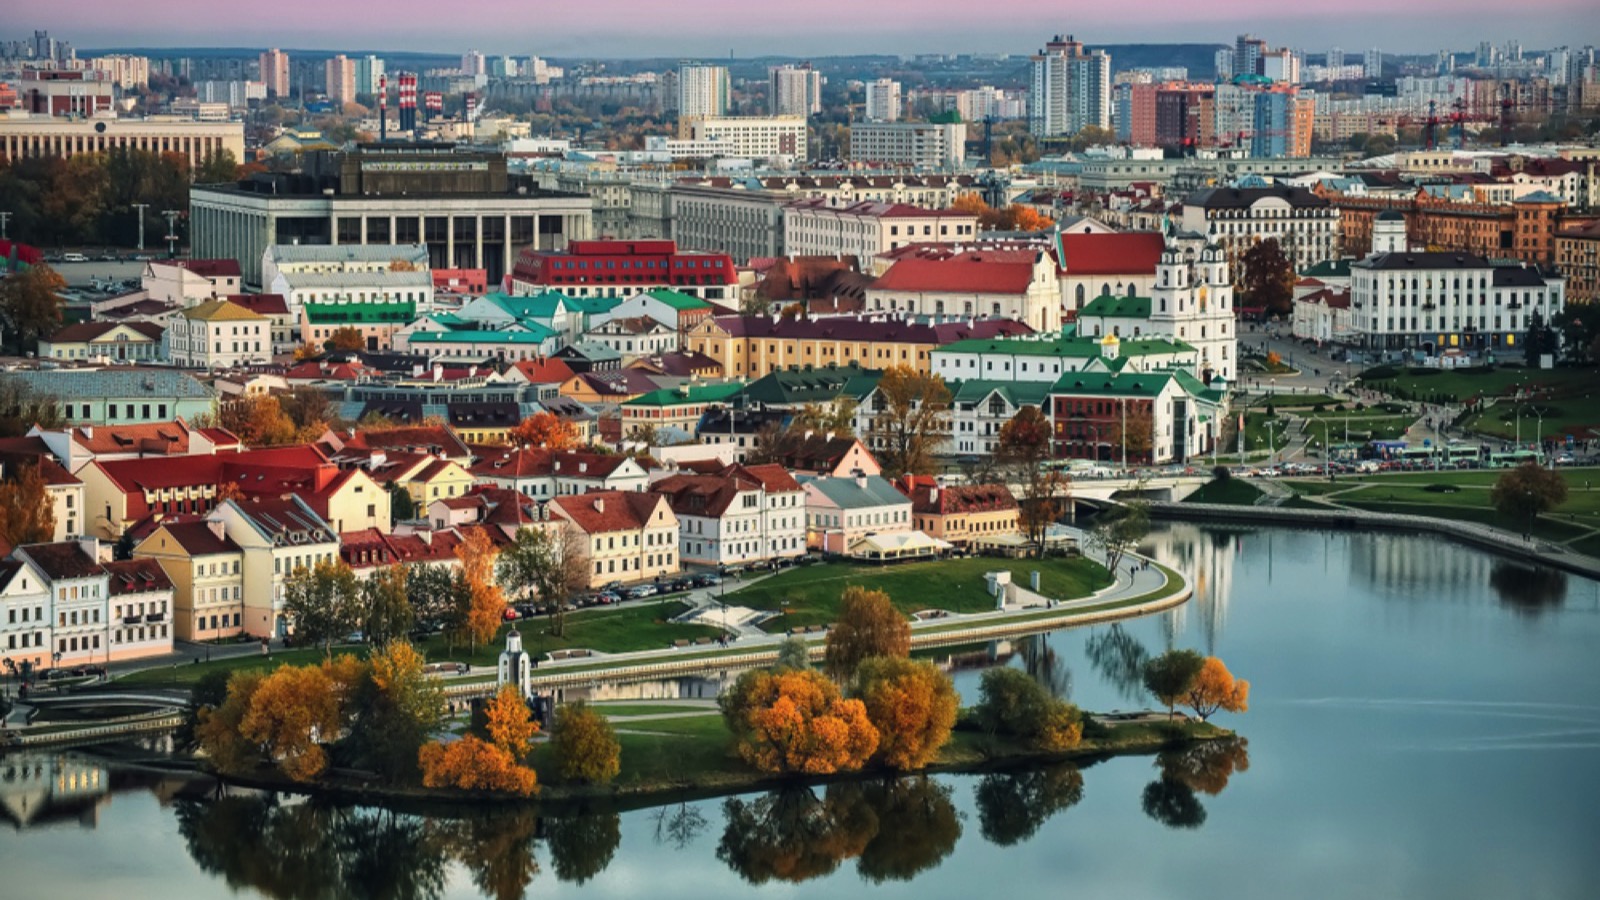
(1327, 452)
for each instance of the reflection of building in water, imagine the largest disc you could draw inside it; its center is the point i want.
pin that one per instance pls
(1206, 559)
(51, 789)
(1398, 566)
(699, 687)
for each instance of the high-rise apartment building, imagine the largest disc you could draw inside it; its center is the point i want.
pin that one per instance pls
(795, 90)
(275, 72)
(1373, 67)
(369, 70)
(1335, 58)
(1247, 52)
(703, 91)
(474, 63)
(1071, 89)
(1224, 64)
(883, 100)
(339, 80)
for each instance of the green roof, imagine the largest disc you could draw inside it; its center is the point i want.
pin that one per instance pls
(688, 394)
(534, 335)
(1329, 268)
(1143, 384)
(1116, 307)
(1019, 393)
(1069, 346)
(813, 384)
(676, 300)
(591, 305)
(360, 313)
(537, 306)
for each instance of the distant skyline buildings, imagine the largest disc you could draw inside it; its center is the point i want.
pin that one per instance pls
(703, 91)
(633, 28)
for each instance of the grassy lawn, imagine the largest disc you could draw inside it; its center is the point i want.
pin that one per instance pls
(647, 709)
(1470, 382)
(1256, 432)
(1233, 492)
(643, 627)
(812, 592)
(1577, 416)
(1305, 401)
(707, 725)
(1359, 424)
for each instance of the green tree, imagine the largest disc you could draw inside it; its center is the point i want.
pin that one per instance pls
(401, 506)
(323, 602)
(217, 168)
(400, 705)
(1119, 529)
(30, 306)
(868, 625)
(913, 419)
(1527, 491)
(793, 653)
(584, 746)
(387, 612)
(1267, 277)
(1540, 340)
(21, 408)
(1024, 447)
(1170, 676)
(548, 563)
(1014, 705)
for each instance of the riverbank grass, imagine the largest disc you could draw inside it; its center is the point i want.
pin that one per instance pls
(809, 595)
(1231, 492)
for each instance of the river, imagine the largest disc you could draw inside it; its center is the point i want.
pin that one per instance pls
(1424, 722)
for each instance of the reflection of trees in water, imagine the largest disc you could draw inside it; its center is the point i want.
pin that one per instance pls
(1013, 805)
(1204, 766)
(314, 850)
(896, 827)
(679, 825)
(1045, 666)
(1528, 589)
(581, 846)
(1119, 658)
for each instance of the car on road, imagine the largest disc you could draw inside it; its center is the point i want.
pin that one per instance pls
(707, 580)
(606, 598)
(74, 258)
(641, 591)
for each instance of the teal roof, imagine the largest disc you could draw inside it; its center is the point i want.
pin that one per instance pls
(536, 334)
(678, 301)
(538, 306)
(1108, 306)
(1196, 387)
(688, 394)
(360, 313)
(1144, 384)
(101, 384)
(591, 305)
(873, 492)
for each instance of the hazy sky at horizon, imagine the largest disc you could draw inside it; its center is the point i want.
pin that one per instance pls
(748, 28)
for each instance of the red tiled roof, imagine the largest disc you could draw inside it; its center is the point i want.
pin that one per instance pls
(198, 539)
(977, 272)
(682, 363)
(770, 476)
(261, 304)
(1328, 297)
(1134, 252)
(598, 512)
(418, 438)
(64, 559)
(545, 370)
(930, 499)
(83, 332)
(137, 576)
(156, 437)
(205, 268)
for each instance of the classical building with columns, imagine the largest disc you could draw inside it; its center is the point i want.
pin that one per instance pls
(462, 205)
(23, 136)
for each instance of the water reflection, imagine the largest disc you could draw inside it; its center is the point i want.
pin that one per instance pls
(1013, 805)
(1207, 556)
(1528, 589)
(1205, 767)
(1044, 665)
(894, 828)
(1119, 658)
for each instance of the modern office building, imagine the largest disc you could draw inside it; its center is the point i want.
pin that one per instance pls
(462, 205)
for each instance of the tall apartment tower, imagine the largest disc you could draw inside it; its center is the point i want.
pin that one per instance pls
(795, 90)
(1336, 58)
(703, 91)
(339, 80)
(1247, 52)
(1071, 89)
(474, 63)
(1224, 64)
(369, 71)
(1373, 67)
(275, 72)
(883, 100)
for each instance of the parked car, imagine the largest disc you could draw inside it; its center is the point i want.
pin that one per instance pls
(707, 579)
(606, 598)
(613, 586)
(680, 584)
(642, 591)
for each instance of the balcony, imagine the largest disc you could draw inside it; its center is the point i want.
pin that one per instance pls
(132, 620)
(156, 617)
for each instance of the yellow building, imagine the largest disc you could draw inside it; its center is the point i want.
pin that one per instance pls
(206, 569)
(753, 346)
(629, 536)
(961, 515)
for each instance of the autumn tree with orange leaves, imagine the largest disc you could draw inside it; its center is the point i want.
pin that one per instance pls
(545, 430)
(508, 722)
(1215, 689)
(796, 722)
(474, 765)
(486, 610)
(258, 421)
(27, 513)
(912, 704)
(346, 338)
(292, 712)
(868, 625)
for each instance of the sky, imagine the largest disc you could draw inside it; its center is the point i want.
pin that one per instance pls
(745, 28)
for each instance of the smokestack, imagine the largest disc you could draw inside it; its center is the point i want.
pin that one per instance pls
(383, 107)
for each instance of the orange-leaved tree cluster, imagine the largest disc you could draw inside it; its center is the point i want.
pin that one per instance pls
(545, 430)
(1215, 689)
(284, 718)
(796, 722)
(868, 625)
(487, 608)
(912, 704)
(473, 763)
